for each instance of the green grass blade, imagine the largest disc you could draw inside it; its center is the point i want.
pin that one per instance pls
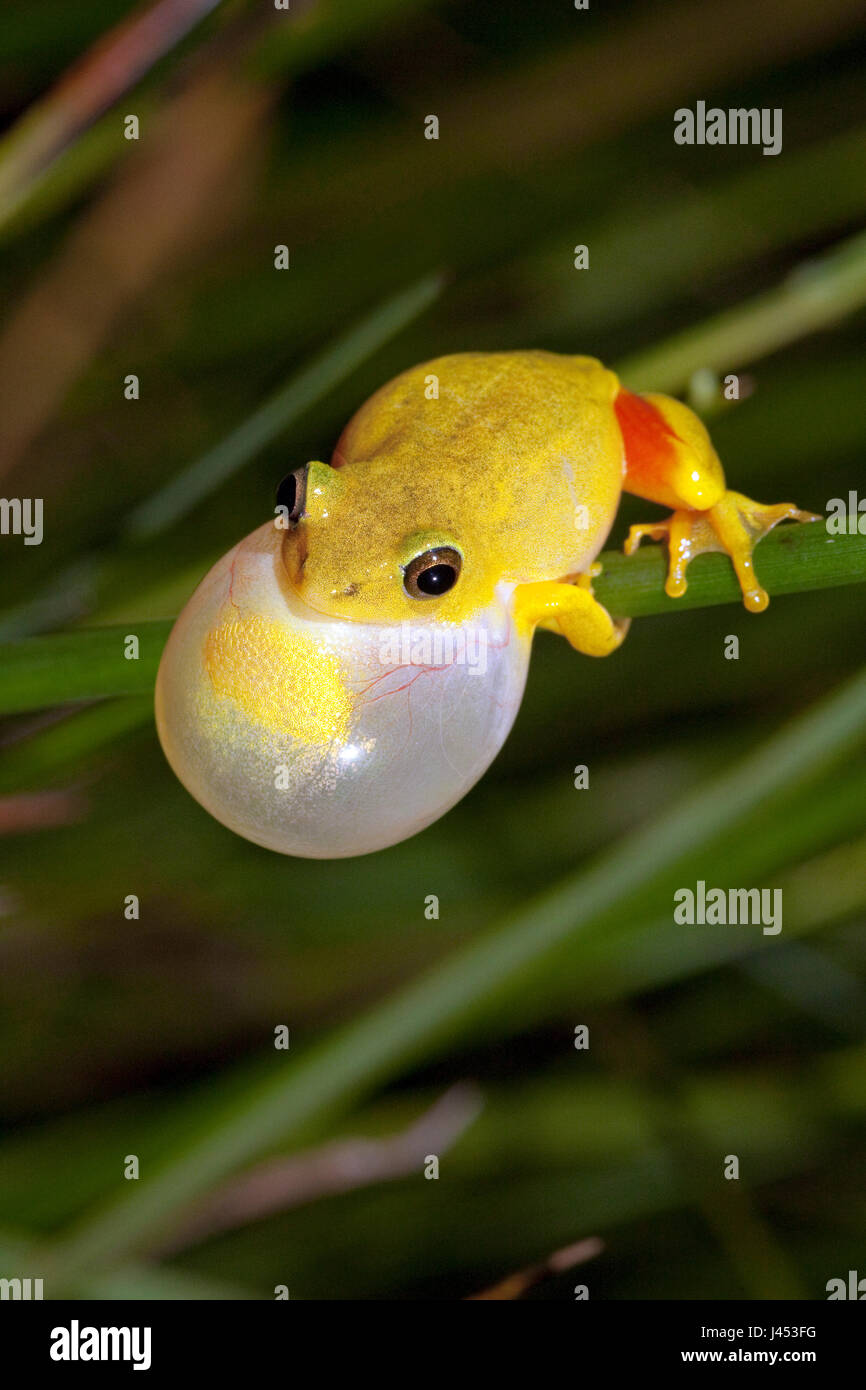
(48, 755)
(417, 1020)
(37, 672)
(281, 410)
(816, 295)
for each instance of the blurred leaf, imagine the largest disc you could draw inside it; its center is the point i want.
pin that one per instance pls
(276, 414)
(381, 1043)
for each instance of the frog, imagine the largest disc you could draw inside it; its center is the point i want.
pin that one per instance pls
(346, 673)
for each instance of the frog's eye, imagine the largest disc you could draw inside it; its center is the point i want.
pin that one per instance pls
(291, 494)
(433, 573)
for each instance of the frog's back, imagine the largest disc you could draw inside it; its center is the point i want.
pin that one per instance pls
(522, 403)
(525, 442)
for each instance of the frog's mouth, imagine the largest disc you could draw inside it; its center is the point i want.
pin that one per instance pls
(290, 557)
(293, 554)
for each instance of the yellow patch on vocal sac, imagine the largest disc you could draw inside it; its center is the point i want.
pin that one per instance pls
(280, 678)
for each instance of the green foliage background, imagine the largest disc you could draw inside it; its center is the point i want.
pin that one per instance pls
(155, 1037)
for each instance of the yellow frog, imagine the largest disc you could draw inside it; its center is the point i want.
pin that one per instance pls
(345, 674)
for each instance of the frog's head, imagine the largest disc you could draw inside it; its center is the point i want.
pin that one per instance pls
(354, 548)
(461, 475)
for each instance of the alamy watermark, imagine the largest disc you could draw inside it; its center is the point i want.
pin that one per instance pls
(853, 1287)
(737, 126)
(22, 516)
(435, 646)
(22, 1290)
(846, 516)
(77, 1343)
(736, 907)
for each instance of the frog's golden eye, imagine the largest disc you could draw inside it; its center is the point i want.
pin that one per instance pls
(291, 494)
(433, 573)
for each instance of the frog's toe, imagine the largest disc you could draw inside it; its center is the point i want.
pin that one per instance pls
(739, 523)
(646, 531)
(687, 533)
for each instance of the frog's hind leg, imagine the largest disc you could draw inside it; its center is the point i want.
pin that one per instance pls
(670, 459)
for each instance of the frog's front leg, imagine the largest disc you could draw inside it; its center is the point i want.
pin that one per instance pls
(573, 610)
(669, 459)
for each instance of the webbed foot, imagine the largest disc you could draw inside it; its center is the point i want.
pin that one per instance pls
(734, 526)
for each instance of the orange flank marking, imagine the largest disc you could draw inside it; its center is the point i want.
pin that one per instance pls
(650, 443)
